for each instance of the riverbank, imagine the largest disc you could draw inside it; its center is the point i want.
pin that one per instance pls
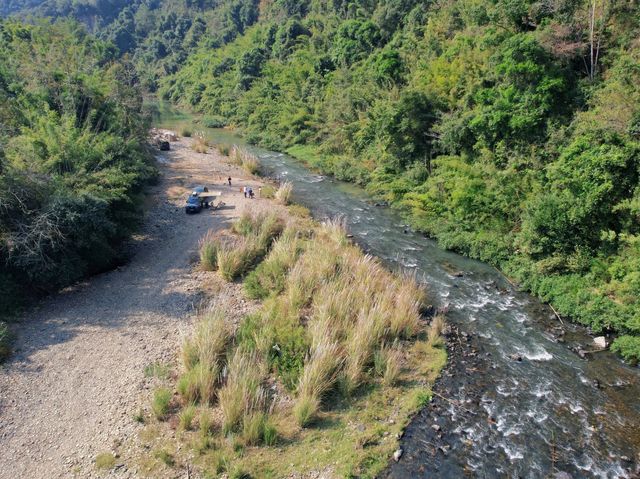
(605, 306)
(549, 393)
(573, 297)
(333, 357)
(85, 359)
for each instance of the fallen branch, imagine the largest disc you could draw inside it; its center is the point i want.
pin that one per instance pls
(593, 351)
(556, 313)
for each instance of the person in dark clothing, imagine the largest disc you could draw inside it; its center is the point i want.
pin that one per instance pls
(229, 180)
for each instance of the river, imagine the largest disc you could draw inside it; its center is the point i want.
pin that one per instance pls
(524, 404)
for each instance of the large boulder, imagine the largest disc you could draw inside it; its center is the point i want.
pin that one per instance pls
(600, 342)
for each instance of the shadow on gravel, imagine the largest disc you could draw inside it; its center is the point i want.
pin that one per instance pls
(157, 282)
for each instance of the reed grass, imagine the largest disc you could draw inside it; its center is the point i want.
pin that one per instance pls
(187, 415)
(242, 394)
(393, 366)
(161, 403)
(208, 343)
(200, 143)
(223, 148)
(203, 355)
(247, 161)
(233, 261)
(434, 333)
(208, 251)
(258, 232)
(284, 193)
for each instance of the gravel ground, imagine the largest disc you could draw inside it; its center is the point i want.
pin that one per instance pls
(76, 379)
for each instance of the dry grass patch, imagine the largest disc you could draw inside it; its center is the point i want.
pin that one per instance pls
(247, 161)
(105, 460)
(199, 143)
(284, 193)
(339, 341)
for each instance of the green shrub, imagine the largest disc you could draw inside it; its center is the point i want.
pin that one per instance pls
(213, 122)
(166, 457)
(161, 404)
(5, 348)
(268, 192)
(209, 246)
(269, 434)
(628, 347)
(105, 460)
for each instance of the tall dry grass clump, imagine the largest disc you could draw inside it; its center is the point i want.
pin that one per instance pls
(243, 394)
(200, 143)
(270, 276)
(258, 231)
(223, 149)
(319, 375)
(203, 355)
(361, 303)
(408, 302)
(284, 193)
(392, 359)
(434, 333)
(237, 258)
(208, 250)
(361, 344)
(247, 161)
(251, 164)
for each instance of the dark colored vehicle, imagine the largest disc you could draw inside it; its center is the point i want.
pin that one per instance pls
(198, 200)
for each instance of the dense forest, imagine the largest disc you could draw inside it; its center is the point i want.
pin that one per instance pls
(507, 129)
(72, 156)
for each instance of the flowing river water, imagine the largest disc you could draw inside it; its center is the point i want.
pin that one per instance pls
(520, 402)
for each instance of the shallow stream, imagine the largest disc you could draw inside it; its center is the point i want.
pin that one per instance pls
(528, 406)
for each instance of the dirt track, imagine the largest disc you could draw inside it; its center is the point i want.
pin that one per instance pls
(77, 377)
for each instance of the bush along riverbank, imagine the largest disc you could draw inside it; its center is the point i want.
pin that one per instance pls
(337, 357)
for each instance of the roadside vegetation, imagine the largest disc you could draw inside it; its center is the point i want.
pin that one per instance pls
(338, 357)
(72, 158)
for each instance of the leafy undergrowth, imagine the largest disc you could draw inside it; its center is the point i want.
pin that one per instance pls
(322, 378)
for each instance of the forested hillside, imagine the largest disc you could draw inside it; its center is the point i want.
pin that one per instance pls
(507, 129)
(157, 34)
(72, 156)
(8, 7)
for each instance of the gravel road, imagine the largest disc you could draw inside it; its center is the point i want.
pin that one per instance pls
(77, 376)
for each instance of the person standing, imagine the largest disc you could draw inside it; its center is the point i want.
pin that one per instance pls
(229, 180)
(244, 190)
